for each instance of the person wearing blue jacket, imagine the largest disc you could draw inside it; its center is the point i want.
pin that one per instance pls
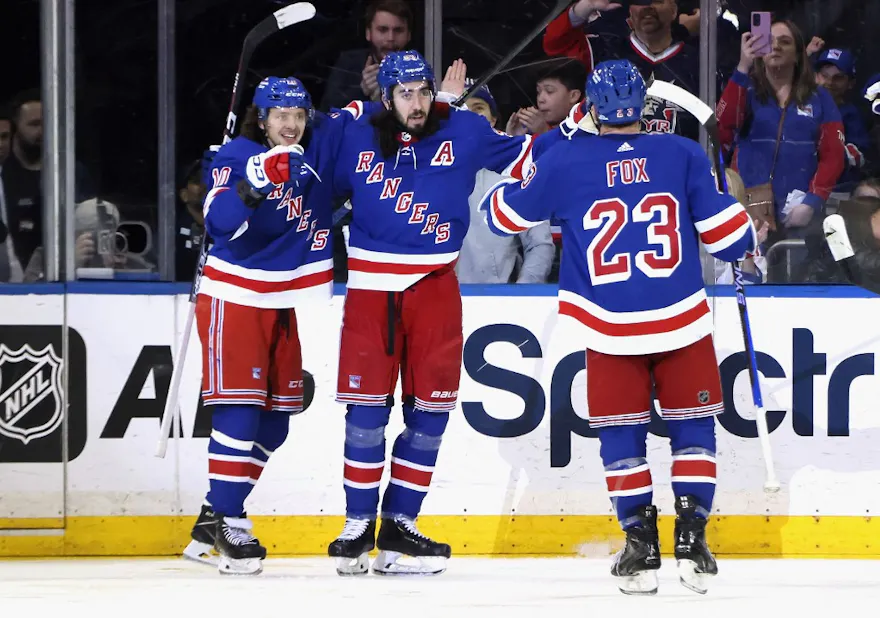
(835, 71)
(778, 91)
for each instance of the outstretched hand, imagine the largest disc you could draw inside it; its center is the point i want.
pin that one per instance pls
(454, 81)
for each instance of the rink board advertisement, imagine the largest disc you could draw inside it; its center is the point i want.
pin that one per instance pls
(519, 469)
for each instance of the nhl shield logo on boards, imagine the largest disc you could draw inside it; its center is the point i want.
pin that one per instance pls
(30, 392)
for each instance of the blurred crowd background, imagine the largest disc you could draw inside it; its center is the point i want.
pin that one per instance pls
(145, 88)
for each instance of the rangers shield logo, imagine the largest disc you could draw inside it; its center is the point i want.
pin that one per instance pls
(30, 392)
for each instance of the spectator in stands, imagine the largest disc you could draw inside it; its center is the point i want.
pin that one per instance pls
(21, 177)
(5, 135)
(650, 45)
(22, 181)
(862, 216)
(836, 72)
(868, 188)
(7, 258)
(753, 267)
(190, 221)
(774, 100)
(558, 90)
(101, 247)
(487, 258)
(389, 25)
(726, 33)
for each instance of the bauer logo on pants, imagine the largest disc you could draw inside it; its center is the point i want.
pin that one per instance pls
(31, 394)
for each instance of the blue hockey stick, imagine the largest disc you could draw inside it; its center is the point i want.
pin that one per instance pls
(706, 117)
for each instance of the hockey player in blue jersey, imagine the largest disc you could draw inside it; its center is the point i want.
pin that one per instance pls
(269, 214)
(409, 170)
(634, 208)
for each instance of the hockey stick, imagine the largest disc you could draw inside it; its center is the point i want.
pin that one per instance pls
(279, 20)
(706, 117)
(498, 67)
(558, 8)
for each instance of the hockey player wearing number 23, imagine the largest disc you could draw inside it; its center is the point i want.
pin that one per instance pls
(634, 208)
(409, 170)
(269, 213)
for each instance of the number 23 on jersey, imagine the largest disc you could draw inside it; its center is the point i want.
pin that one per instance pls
(663, 238)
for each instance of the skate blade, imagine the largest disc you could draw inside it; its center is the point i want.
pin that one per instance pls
(202, 553)
(347, 567)
(691, 579)
(243, 566)
(395, 563)
(642, 583)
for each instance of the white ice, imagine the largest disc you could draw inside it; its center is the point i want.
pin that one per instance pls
(508, 587)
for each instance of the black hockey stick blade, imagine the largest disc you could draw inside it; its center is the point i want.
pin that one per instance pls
(558, 8)
(279, 20)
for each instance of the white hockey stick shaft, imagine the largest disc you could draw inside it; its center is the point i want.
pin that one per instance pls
(772, 483)
(172, 410)
(706, 117)
(279, 20)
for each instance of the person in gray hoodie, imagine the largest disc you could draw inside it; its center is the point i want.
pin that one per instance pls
(487, 258)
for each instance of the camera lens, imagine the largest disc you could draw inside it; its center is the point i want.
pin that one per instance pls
(121, 242)
(756, 20)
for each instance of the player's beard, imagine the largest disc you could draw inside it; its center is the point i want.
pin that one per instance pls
(416, 123)
(388, 126)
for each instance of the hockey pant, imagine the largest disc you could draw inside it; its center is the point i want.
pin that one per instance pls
(418, 334)
(252, 380)
(619, 396)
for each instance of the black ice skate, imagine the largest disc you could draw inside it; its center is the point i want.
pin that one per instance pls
(240, 551)
(200, 548)
(635, 566)
(403, 550)
(695, 562)
(351, 549)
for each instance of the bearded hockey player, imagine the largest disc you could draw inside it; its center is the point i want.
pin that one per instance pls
(409, 170)
(633, 209)
(269, 214)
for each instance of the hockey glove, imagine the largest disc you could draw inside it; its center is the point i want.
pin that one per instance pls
(274, 167)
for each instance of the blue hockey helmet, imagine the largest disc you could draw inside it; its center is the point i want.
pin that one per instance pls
(401, 67)
(282, 92)
(617, 90)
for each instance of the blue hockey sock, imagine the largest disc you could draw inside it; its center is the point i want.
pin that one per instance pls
(412, 461)
(693, 460)
(364, 458)
(271, 434)
(624, 454)
(230, 470)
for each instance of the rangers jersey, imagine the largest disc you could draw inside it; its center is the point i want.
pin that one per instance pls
(410, 211)
(278, 254)
(633, 209)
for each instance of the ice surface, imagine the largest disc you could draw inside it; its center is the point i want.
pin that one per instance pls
(551, 587)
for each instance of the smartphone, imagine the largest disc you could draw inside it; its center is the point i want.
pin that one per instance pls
(761, 22)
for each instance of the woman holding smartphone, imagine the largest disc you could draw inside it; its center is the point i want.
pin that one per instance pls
(784, 131)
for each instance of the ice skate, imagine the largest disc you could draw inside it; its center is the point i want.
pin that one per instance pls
(696, 564)
(403, 550)
(240, 551)
(353, 546)
(636, 565)
(201, 547)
